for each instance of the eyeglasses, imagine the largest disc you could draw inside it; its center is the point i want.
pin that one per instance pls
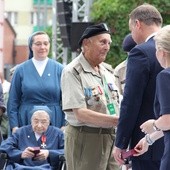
(43, 122)
(39, 44)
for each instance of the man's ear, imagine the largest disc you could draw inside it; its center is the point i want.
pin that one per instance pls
(85, 41)
(137, 23)
(164, 53)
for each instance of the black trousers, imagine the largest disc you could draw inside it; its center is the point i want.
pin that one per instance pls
(145, 165)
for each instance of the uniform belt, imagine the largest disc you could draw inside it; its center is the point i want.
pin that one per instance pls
(95, 130)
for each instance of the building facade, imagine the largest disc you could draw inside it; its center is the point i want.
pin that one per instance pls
(27, 17)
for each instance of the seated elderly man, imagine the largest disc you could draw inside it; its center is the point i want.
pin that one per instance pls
(35, 146)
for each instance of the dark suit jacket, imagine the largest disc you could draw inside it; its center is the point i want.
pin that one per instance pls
(138, 99)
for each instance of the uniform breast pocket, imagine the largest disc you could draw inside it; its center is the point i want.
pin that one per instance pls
(94, 100)
(96, 104)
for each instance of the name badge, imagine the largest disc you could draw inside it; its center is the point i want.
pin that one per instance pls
(111, 108)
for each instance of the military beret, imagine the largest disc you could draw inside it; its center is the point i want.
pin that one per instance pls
(94, 30)
(128, 43)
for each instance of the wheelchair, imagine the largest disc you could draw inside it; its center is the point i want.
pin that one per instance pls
(3, 156)
(4, 159)
(62, 163)
(4, 162)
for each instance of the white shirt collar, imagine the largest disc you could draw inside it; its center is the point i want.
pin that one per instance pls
(37, 136)
(39, 61)
(40, 65)
(150, 36)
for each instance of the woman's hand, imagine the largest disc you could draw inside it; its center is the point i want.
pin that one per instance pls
(42, 155)
(141, 147)
(28, 153)
(147, 127)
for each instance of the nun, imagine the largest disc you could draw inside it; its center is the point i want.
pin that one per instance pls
(36, 146)
(36, 82)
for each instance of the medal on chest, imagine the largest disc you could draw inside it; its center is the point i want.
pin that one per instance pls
(43, 141)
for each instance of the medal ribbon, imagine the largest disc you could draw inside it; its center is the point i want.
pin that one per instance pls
(43, 141)
(43, 138)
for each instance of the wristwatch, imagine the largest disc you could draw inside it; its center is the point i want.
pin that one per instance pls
(155, 127)
(149, 141)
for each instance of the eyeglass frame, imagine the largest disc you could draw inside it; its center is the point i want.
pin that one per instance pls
(39, 44)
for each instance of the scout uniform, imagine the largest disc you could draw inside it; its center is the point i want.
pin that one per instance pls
(120, 70)
(120, 76)
(96, 92)
(89, 147)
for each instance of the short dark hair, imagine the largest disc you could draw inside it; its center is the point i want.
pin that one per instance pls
(128, 43)
(148, 14)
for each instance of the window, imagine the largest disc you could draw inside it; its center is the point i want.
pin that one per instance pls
(34, 18)
(12, 17)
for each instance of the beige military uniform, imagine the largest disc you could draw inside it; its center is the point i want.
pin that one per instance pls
(120, 76)
(78, 77)
(82, 87)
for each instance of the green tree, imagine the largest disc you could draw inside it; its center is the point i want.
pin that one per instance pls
(116, 14)
(49, 32)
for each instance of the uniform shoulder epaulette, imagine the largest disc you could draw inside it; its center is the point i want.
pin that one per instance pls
(78, 68)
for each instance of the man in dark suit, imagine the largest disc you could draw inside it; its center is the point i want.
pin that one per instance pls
(138, 98)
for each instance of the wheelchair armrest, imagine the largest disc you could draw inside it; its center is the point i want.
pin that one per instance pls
(3, 155)
(62, 163)
(62, 158)
(3, 160)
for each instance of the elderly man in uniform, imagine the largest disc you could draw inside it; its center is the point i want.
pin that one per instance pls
(91, 102)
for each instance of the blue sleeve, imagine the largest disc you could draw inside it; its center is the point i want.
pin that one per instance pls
(14, 99)
(163, 89)
(10, 147)
(55, 153)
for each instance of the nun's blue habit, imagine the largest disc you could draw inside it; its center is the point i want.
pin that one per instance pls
(29, 89)
(24, 137)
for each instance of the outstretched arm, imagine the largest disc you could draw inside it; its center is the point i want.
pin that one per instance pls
(145, 142)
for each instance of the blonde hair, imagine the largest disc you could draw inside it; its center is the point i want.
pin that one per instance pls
(162, 38)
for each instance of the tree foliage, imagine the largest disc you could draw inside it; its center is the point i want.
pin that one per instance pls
(48, 30)
(116, 14)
